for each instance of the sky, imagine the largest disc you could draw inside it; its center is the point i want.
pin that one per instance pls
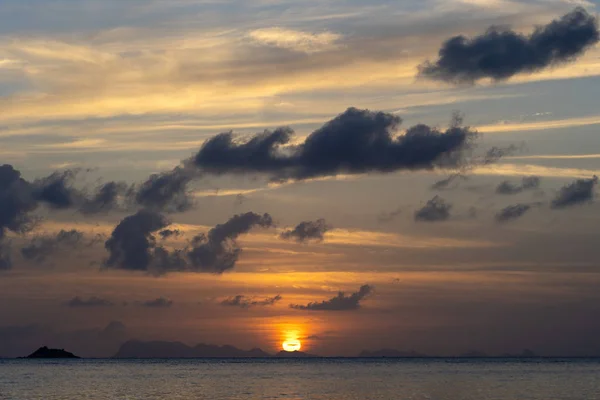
(413, 175)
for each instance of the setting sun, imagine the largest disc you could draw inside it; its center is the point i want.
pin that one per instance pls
(291, 345)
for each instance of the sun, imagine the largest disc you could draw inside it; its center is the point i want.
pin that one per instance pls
(291, 345)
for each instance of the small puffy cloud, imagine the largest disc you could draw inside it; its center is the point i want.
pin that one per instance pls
(527, 183)
(247, 302)
(307, 231)
(341, 302)
(160, 302)
(512, 212)
(436, 210)
(579, 192)
(93, 301)
(218, 251)
(501, 53)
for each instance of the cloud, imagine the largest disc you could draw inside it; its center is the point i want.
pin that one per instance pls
(5, 255)
(513, 212)
(354, 142)
(167, 191)
(294, 40)
(389, 216)
(435, 210)
(160, 302)
(501, 53)
(341, 302)
(579, 192)
(133, 245)
(307, 231)
(527, 183)
(106, 198)
(90, 302)
(218, 251)
(167, 233)
(41, 247)
(450, 182)
(247, 302)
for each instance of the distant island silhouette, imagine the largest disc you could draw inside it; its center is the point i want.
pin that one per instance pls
(294, 354)
(45, 352)
(163, 349)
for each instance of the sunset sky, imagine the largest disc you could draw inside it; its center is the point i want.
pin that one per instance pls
(363, 178)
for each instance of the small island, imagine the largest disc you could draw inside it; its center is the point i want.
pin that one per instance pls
(45, 352)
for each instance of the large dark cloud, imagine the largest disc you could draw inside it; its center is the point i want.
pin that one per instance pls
(167, 191)
(218, 251)
(579, 192)
(436, 209)
(133, 245)
(341, 302)
(355, 142)
(41, 247)
(307, 231)
(247, 302)
(93, 301)
(527, 183)
(501, 53)
(512, 212)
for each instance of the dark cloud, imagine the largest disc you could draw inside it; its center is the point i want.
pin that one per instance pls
(341, 302)
(106, 198)
(168, 233)
(527, 183)
(389, 216)
(5, 255)
(16, 201)
(41, 247)
(247, 302)
(513, 212)
(436, 209)
(218, 251)
(160, 302)
(307, 231)
(450, 182)
(501, 53)
(132, 243)
(579, 192)
(89, 302)
(56, 190)
(167, 191)
(355, 142)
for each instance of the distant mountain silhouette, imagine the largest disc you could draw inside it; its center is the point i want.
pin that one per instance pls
(390, 353)
(161, 349)
(45, 352)
(294, 354)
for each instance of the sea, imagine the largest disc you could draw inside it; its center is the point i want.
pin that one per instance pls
(314, 379)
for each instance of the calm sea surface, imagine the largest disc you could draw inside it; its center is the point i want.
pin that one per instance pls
(300, 379)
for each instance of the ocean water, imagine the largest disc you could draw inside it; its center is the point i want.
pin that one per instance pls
(340, 379)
